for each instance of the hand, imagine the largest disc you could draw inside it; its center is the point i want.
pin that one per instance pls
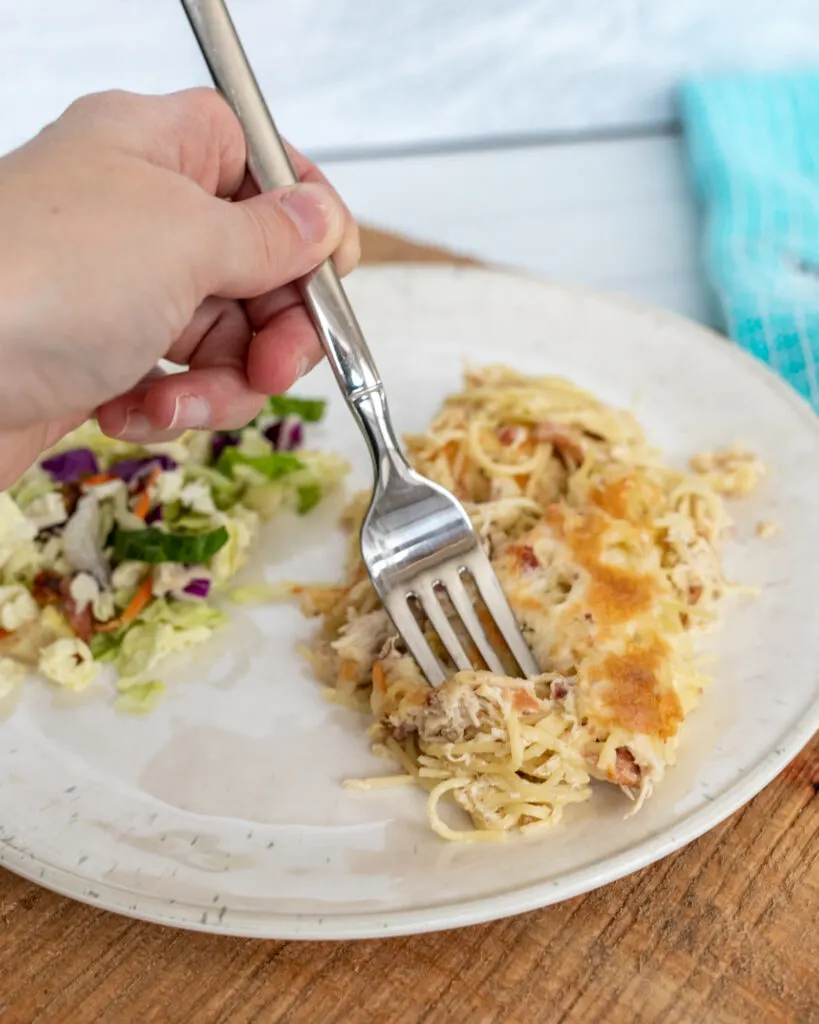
(118, 247)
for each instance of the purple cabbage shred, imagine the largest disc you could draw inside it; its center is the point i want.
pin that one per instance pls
(71, 466)
(198, 588)
(223, 439)
(131, 469)
(285, 435)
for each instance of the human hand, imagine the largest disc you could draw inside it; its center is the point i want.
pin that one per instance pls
(118, 248)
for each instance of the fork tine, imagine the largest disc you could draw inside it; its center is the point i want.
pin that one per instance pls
(463, 606)
(404, 621)
(442, 626)
(495, 599)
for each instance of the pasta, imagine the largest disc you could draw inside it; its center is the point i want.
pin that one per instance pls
(611, 561)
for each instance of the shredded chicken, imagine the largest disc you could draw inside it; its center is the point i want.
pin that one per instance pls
(734, 472)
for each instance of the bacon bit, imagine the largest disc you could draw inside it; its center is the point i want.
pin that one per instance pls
(100, 478)
(524, 701)
(143, 506)
(507, 435)
(566, 446)
(527, 559)
(626, 771)
(47, 588)
(141, 599)
(695, 592)
(82, 623)
(558, 690)
(379, 678)
(4, 633)
(71, 495)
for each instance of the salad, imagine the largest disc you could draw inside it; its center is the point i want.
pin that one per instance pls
(111, 552)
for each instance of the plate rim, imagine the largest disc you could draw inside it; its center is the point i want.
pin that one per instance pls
(266, 924)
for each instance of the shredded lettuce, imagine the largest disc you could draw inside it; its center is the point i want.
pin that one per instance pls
(103, 538)
(105, 646)
(266, 498)
(69, 663)
(225, 491)
(17, 607)
(15, 528)
(183, 614)
(180, 519)
(260, 593)
(299, 491)
(138, 698)
(11, 673)
(253, 442)
(242, 527)
(309, 495)
(35, 484)
(147, 642)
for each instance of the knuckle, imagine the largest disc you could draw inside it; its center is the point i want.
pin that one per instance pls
(110, 103)
(272, 237)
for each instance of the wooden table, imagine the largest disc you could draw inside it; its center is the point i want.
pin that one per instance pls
(726, 930)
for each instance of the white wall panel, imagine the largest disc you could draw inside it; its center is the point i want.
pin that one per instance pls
(353, 74)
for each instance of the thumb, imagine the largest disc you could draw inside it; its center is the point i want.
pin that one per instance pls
(20, 448)
(272, 239)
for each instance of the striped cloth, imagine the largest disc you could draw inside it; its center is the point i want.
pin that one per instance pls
(753, 147)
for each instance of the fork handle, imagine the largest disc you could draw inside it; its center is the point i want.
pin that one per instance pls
(270, 166)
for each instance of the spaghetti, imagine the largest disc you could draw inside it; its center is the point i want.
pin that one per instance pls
(610, 559)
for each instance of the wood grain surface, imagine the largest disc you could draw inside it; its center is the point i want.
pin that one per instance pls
(725, 931)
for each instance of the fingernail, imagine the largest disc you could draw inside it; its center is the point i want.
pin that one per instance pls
(310, 208)
(190, 413)
(137, 426)
(302, 366)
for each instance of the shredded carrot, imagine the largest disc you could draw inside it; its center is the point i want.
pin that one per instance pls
(141, 598)
(349, 672)
(97, 479)
(379, 678)
(450, 451)
(524, 701)
(143, 506)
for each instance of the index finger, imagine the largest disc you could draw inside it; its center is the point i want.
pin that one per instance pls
(193, 132)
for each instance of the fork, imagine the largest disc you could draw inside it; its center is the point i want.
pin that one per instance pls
(417, 541)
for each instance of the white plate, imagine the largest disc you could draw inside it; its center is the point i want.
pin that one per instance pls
(223, 810)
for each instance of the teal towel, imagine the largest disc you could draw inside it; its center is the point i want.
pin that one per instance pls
(753, 147)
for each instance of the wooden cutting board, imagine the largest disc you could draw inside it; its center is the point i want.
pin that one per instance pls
(726, 930)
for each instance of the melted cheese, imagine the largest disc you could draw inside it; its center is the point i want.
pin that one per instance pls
(609, 560)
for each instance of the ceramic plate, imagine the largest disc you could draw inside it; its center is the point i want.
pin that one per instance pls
(223, 810)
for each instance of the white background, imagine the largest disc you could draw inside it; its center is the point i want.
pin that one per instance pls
(357, 77)
(353, 74)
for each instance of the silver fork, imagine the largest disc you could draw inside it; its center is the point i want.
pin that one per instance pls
(417, 541)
